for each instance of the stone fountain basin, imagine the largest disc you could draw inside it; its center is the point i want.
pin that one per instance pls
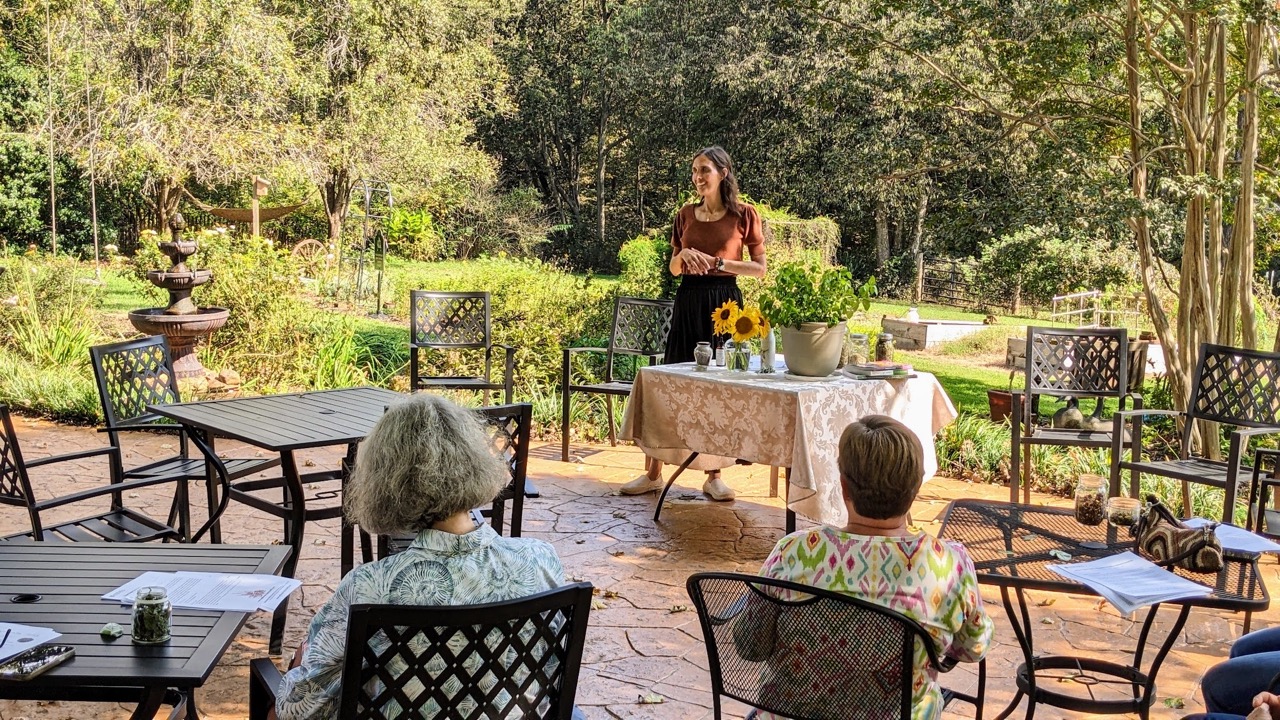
(154, 321)
(179, 280)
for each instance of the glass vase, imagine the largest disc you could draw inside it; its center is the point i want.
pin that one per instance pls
(740, 357)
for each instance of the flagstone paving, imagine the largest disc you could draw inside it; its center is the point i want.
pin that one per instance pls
(644, 644)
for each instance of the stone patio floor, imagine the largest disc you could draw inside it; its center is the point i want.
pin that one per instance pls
(643, 641)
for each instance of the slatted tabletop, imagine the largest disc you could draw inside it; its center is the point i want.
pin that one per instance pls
(72, 577)
(288, 422)
(1010, 544)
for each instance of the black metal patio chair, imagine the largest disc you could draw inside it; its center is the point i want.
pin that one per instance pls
(865, 671)
(510, 426)
(640, 328)
(116, 524)
(1231, 386)
(132, 375)
(518, 658)
(1095, 363)
(456, 321)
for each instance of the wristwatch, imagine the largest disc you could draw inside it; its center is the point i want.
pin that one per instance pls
(719, 264)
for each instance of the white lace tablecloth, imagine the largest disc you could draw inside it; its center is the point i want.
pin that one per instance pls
(775, 420)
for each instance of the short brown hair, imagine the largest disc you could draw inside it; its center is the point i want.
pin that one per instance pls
(881, 466)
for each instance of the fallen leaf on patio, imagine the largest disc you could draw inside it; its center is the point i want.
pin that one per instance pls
(651, 699)
(679, 608)
(309, 463)
(579, 542)
(575, 578)
(616, 553)
(317, 542)
(42, 445)
(620, 513)
(598, 605)
(1046, 621)
(167, 446)
(611, 594)
(1175, 703)
(133, 495)
(1047, 602)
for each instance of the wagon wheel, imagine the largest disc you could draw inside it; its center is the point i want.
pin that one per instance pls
(310, 256)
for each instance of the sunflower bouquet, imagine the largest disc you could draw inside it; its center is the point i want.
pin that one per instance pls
(743, 325)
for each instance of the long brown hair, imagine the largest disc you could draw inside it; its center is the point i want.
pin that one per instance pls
(729, 185)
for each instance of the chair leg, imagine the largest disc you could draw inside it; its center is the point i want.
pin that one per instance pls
(564, 409)
(1186, 499)
(613, 432)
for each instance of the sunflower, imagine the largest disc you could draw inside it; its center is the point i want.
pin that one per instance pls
(747, 325)
(724, 317)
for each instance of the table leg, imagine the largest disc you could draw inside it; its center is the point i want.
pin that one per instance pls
(1021, 622)
(773, 481)
(295, 526)
(786, 497)
(348, 530)
(211, 458)
(663, 497)
(215, 530)
(149, 705)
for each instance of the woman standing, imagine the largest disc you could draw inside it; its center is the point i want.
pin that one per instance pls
(706, 252)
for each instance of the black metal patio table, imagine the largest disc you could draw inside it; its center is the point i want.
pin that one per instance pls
(1011, 546)
(69, 580)
(284, 424)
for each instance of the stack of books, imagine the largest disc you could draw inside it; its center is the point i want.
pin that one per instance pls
(865, 371)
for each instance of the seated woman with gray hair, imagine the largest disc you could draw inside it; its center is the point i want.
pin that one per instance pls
(423, 467)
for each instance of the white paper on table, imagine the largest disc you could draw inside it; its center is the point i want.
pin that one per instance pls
(1236, 538)
(21, 638)
(211, 591)
(1130, 582)
(267, 591)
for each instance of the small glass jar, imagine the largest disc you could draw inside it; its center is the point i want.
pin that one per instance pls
(859, 348)
(702, 355)
(1091, 499)
(884, 347)
(152, 616)
(739, 357)
(1123, 511)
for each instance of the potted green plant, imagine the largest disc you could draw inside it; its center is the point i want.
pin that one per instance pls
(810, 304)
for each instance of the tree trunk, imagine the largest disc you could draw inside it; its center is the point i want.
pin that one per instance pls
(166, 202)
(1176, 371)
(1242, 238)
(337, 199)
(917, 238)
(1216, 166)
(882, 234)
(602, 155)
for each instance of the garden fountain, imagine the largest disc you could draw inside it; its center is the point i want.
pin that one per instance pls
(182, 323)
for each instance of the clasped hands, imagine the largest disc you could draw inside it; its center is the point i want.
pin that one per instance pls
(696, 262)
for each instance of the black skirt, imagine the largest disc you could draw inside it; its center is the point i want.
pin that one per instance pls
(696, 299)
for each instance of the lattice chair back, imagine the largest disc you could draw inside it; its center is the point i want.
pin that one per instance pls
(449, 319)
(518, 658)
(640, 327)
(806, 653)
(1235, 386)
(132, 375)
(510, 426)
(15, 486)
(1077, 363)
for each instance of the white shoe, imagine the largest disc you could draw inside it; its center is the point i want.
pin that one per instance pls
(718, 491)
(641, 485)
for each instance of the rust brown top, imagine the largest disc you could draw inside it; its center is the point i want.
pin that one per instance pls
(720, 238)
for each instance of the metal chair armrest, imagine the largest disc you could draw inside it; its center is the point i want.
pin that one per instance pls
(264, 681)
(139, 427)
(102, 490)
(78, 455)
(1244, 433)
(1146, 411)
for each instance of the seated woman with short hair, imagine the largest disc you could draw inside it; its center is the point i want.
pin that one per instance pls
(423, 467)
(874, 557)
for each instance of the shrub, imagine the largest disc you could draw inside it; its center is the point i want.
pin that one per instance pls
(1036, 263)
(646, 266)
(413, 234)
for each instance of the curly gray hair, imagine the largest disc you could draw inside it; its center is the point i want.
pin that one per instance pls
(425, 460)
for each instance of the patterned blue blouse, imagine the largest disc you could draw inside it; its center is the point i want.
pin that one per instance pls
(440, 568)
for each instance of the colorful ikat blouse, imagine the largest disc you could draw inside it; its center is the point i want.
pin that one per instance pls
(440, 568)
(920, 576)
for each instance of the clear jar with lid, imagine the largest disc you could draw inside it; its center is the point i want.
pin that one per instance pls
(858, 348)
(152, 616)
(1123, 511)
(884, 347)
(1091, 499)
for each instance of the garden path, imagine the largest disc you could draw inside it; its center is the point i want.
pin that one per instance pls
(637, 646)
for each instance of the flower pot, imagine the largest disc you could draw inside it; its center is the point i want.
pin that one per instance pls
(813, 349)
(1001, 402)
